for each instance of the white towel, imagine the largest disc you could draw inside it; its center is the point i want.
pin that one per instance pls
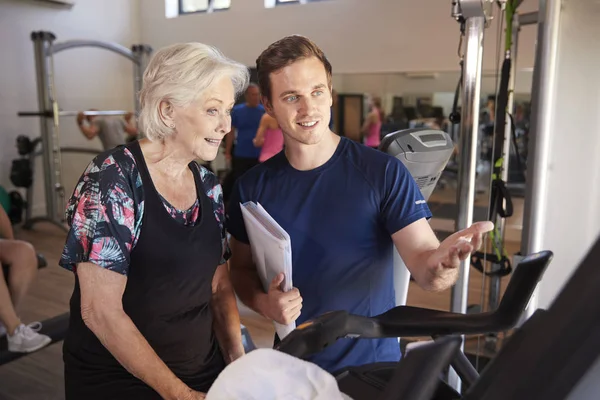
(267, 374)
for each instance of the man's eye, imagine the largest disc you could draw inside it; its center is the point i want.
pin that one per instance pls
(291, 98)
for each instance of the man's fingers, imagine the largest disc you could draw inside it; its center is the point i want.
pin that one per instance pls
(276, 282)
(464, 249)
(293, 310)
(453, 259)
(476, 241)
(481, 227)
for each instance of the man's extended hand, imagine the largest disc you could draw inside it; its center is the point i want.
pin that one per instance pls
(458, 247)
(280, 306)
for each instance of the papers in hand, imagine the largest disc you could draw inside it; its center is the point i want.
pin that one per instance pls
(271, 252)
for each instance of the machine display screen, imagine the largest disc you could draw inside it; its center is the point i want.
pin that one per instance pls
(431, 138)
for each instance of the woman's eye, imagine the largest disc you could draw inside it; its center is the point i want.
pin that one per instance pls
(212, 111)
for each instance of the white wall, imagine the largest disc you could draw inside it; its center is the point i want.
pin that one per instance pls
(572, 215)
(84, 77)
(357, 35)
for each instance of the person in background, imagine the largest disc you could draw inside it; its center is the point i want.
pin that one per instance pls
(245, 119)
(19, 264)
(268, 137)
(111, 131)
(153, 314)
(371, 128)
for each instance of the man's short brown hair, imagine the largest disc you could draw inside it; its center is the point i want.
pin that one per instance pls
(283, 53)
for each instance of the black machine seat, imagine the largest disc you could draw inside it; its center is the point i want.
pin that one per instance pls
(368, 382)
(403, 321)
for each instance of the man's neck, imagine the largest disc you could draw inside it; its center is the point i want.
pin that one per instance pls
(306, 157)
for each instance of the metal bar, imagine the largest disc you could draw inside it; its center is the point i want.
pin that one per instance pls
(543, 94)
(469, 132)
(529, 18)
(50, 113)
(110, 112)
(463, 367)
(41, 41)
(71, 44)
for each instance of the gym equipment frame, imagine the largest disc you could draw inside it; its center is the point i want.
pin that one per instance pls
(48, 111)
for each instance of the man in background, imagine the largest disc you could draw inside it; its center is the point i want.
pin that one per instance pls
(245, 120)
(111, 131)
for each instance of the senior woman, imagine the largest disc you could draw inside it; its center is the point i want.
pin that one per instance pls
(153, 313)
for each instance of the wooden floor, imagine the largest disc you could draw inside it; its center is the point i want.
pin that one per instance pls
(39, 376)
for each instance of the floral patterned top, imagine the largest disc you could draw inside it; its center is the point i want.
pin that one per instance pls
(105, 212)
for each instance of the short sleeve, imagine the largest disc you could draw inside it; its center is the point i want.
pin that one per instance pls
(235, 221)
(101, 215)
(215, 194)
(402, 201)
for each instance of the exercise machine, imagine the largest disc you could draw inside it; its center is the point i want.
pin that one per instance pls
(370, 381)
(425, 153)
(50, 113)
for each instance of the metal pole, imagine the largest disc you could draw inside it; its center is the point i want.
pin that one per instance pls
(474, 13)
(137, 76)
(469, 132)
(538, 160)
(42, 41)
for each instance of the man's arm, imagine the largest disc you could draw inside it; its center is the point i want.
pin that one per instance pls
(415, 244)
(276, 305)
(102, 312)
(129, 125)
(259, 139)
(434, 265)
(6, 230)
(90, 131)
(226, 314)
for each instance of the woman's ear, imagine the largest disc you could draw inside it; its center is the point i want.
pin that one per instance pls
(166, 112)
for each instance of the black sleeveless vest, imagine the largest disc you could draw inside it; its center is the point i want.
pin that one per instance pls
(167, 296)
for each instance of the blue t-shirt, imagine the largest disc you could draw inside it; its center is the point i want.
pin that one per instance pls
(246, 120)
(340, 218)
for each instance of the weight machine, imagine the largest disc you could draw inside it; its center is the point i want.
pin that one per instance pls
(474, 17)
(49, 113)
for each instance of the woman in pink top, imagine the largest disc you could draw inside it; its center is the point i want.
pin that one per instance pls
(269, 137)
(371, 128)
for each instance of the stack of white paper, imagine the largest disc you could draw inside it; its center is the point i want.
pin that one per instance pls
(271, 251)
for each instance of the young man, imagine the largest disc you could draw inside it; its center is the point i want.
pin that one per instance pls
(346, 207)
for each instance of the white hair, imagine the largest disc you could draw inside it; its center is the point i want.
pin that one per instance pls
(179, 74)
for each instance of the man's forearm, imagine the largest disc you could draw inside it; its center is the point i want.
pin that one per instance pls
(430, 277)
(125, 342)
(227, 324)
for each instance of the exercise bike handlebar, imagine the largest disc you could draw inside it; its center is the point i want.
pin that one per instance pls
(405, 321)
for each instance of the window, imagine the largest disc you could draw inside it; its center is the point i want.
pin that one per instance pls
(195, 6)
(273, 3)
